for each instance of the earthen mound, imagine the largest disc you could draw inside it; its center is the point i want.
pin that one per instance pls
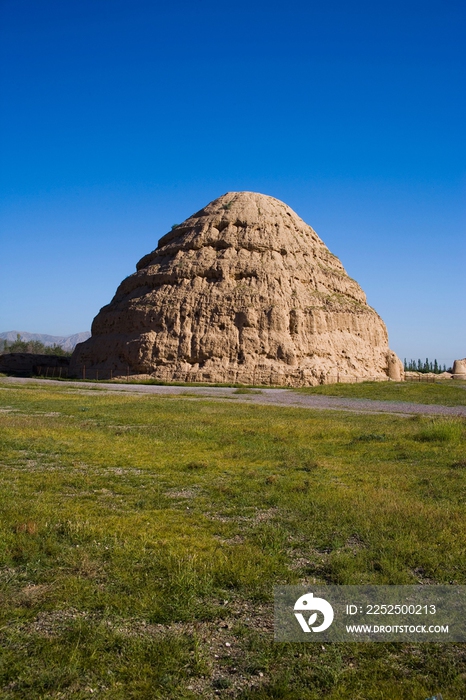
(459, 369)
(242, 291)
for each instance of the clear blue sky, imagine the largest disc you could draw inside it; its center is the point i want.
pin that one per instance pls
(121, 117)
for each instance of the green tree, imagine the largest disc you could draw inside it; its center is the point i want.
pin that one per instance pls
(33, 346)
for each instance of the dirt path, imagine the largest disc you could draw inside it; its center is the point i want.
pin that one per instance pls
(270, 397)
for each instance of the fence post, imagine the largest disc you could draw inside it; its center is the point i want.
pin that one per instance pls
(97, 374)
(127, 373)
(84, 371)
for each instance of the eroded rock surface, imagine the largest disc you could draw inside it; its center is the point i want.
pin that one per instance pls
(242, 291)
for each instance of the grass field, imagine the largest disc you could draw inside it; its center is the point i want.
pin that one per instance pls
(446, 393)
(142, 537)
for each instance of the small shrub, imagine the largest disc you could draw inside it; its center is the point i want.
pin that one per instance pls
(440, 432)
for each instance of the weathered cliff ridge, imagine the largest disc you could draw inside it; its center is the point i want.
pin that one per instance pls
(244, 291)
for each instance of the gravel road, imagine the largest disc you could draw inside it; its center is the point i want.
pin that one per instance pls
(270, 397)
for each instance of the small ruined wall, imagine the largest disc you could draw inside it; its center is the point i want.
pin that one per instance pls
(26, 364)
(459, 369)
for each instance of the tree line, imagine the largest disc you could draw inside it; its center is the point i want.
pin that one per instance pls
(31, 346)
(424, 367)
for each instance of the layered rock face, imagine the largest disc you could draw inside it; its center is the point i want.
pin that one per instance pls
(242, 291)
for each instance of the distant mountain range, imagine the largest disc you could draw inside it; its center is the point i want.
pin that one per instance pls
(67, 342)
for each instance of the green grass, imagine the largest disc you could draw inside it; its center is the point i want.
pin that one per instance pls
(447, 393)
(141, 535)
